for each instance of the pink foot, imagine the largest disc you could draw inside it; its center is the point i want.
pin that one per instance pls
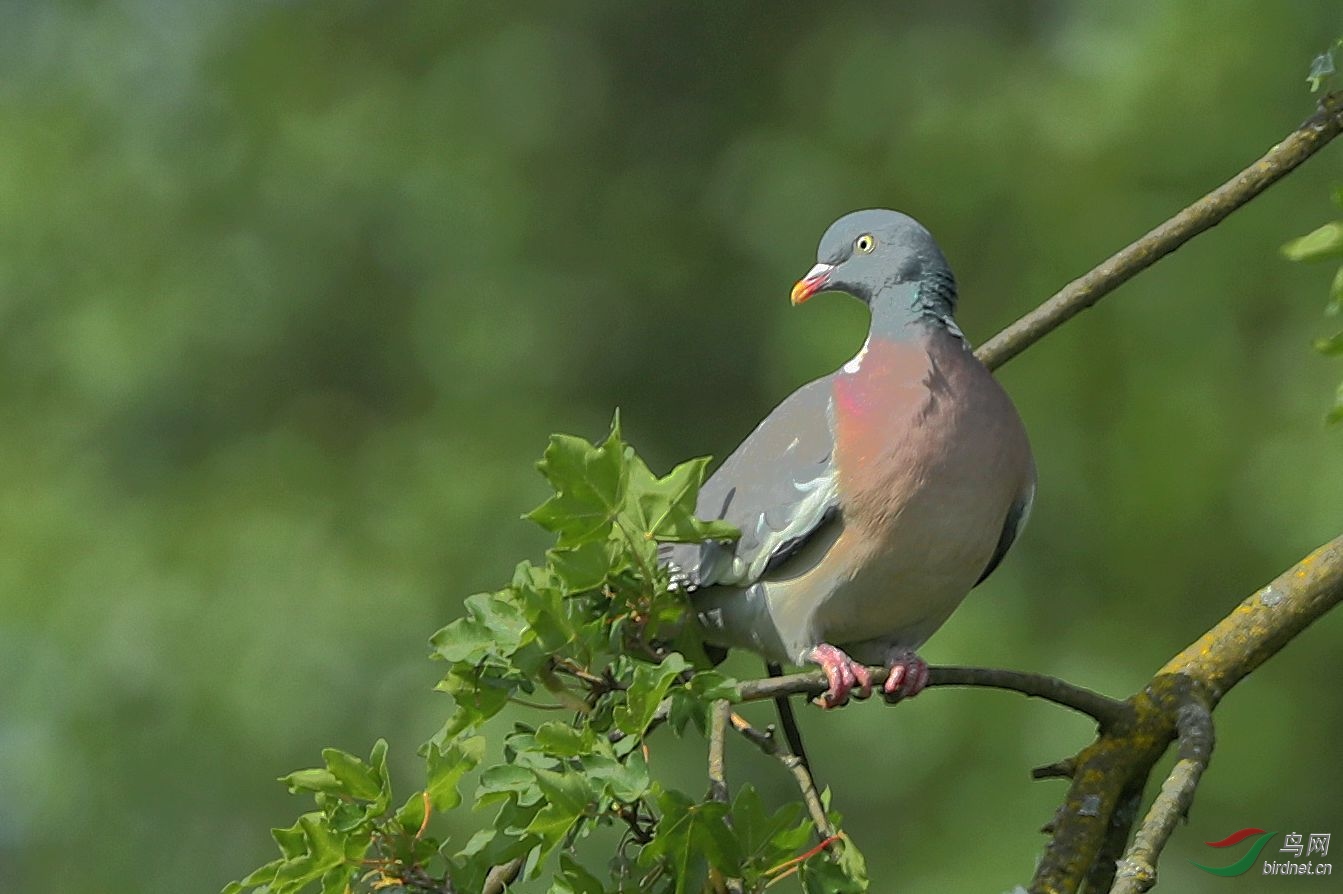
(843, 673)
(907, 677)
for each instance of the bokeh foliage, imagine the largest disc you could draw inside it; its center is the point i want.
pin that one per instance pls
(291, 294)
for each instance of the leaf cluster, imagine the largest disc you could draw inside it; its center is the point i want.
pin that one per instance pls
(596, 632)
(1326, 244)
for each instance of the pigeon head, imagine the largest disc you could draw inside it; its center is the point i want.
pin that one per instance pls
(885, 259)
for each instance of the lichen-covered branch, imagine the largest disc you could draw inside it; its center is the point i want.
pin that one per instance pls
(1177, 702)
(1193, 727)
(1207, 212)
(1264, 623)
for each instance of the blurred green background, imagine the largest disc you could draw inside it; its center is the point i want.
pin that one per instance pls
(291, 294)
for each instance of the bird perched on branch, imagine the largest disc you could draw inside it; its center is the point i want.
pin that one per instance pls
(872, 500)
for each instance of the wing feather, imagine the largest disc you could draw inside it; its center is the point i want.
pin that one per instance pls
(1012, 525)
(778, 488)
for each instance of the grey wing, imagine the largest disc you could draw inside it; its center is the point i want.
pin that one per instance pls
(777, 488)
(1012, 526)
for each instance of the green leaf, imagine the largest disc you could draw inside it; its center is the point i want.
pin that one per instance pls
(570, 792)
(494, 625)
(562, 740)
(626, 781)
(357, 779)
(504, 779)
(1335, 305)
(322, 850)
(767, 840)
(325, 848)
(821, 876)
(410, 816)
(574, 879)
(479, 697)
(1335, 415)
(851, 861)
(262, 875)
(584, 567)
(485, 850)
(291, 841)
(646, 691)
(689, 838)
(1321, 68)
(664, 508)
(570, 798)
(710, 685)
(589, 483)
(446, 767)
(685, 707)
(693, 700)
(1331, 346)
(336, 881)
(542, 597)
(1325, 242)
(844, 872)
(314, 780)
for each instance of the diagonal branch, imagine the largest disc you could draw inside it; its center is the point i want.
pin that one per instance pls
(764, 740)
(1173, 704)
(1206, 213)
(1264, 622)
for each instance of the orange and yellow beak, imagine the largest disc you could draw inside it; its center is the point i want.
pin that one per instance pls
(812, 283)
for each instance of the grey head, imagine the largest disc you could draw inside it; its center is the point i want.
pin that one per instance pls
(887, 260)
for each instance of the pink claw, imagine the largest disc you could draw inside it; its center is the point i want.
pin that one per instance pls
(907, 678)
(843, 674)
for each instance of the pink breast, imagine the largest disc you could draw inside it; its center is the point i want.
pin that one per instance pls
(876, 405)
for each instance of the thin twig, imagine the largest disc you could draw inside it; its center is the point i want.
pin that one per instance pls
(793, 763)
(719, 714)
(718, 719)
(1207, 212)
(501, 876)
(792, 865)
(1105, 710)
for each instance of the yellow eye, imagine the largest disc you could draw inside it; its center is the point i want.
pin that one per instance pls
(864, 243)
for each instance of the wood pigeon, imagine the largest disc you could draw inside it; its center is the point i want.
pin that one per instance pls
(872, 500)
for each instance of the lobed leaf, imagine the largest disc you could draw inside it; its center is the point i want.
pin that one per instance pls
(446, 767)
(645, 693)
(589, 483)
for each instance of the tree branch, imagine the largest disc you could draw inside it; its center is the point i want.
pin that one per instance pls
(1105, 710)
(717, 744)
(1173, 704)
(1263, 623)
(1193, 725)
(1207, 212)
(765, 742)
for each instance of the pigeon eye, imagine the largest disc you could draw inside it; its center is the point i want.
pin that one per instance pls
(864, 243)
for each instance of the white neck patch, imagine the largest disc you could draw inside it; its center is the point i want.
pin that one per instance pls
(857, 362)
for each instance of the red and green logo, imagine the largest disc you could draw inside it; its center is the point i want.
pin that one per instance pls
(1244, 863)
